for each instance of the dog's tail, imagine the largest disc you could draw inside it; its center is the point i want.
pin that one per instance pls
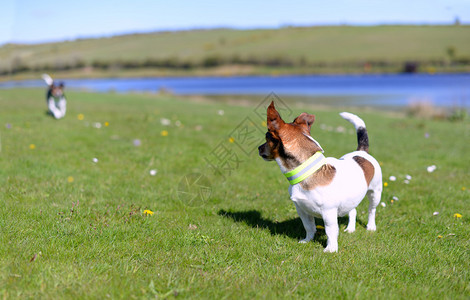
(47, 79)
(362, 137)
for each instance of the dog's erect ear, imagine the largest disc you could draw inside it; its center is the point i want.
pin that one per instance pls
(306, 120)
(274, 119)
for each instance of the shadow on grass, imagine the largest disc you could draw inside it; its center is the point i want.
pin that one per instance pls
(292, 228)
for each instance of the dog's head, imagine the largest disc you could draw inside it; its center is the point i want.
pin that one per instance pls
(291, 143)
(57, 90)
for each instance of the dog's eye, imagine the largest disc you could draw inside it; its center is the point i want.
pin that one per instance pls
(271, 139)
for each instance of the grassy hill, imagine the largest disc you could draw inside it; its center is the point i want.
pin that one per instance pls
(290, 49)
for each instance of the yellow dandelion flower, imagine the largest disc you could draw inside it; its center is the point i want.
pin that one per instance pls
(70, 179)
(231, 140)
(457, 215)
(164, 133)
(385, 184)
(80, 117)
(148, 212)
(439, 236)
(320, 227)
(464, 188)
(106, 124)
(32, 146)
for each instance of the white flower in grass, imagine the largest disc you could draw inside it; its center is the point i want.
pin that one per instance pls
(221, 112)
(435, 213)
(137, 142)
(153, 172)
(408, 177)
(395, 198)
(340, 129)
(383, 204)
(95, 160)
(431, 168)
(392, 178)
(165, 122)
(97, 125)
(406, 181)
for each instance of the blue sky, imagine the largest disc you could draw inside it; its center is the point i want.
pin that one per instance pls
(32, 21)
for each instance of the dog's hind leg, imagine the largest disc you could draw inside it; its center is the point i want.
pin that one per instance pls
(374, 200)
(309, 224)
(352, 221)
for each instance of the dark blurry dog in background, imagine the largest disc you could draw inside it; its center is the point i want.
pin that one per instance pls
(56, 102)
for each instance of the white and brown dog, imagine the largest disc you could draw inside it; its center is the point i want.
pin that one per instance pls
(323, 187)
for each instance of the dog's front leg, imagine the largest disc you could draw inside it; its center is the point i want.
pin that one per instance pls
(309, 224)
(330, 218)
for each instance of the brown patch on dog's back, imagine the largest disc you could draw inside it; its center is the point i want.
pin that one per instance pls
(322, 177)
(366, 166)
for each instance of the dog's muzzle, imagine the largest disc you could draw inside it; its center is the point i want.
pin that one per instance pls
(262, 152)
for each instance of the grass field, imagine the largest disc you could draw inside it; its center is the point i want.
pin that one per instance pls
(308, 49)
(75, 228)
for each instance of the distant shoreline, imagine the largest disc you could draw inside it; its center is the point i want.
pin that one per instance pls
(225, 71)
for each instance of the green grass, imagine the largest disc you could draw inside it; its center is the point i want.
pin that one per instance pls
(321, 49)
(90, 238)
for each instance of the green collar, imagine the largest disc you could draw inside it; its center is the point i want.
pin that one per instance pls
(306, 169)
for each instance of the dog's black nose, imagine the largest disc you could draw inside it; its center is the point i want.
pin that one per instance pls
(260, 152)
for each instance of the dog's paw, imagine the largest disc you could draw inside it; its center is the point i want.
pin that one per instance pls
(350, 230)
(371, 228)
(331, 249)
(304, 241)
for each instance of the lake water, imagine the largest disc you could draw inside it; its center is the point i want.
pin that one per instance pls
(447, 90)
